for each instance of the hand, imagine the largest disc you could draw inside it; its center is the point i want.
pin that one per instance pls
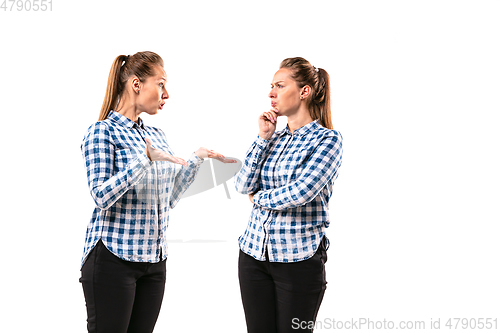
(159, 155)
(250, 196)
(208, 153)
(267, 124)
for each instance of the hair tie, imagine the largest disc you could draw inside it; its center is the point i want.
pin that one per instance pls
(125, 61)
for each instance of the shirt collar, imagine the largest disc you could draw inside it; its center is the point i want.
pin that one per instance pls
(122, 120)
(302, 130)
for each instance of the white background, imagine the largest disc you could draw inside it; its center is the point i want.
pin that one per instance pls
(415, 94)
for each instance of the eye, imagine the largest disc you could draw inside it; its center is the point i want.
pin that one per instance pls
(279, 85)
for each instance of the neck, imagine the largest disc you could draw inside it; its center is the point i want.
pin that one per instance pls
(127, 108)
(298, 120)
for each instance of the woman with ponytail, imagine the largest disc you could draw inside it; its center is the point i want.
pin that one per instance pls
(134, 180)
(289, 175)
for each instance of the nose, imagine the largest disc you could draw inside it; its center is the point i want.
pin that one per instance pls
(272, 93)
(165, 94)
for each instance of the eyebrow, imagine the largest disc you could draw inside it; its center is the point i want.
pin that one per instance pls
(277, 82)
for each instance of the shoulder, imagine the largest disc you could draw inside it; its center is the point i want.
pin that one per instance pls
(98, 131)
(323, 133)
(100, 126)
(326, 138)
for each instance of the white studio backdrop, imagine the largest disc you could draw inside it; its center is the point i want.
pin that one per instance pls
(415, 94)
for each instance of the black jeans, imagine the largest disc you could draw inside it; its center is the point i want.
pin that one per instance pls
(280, 297)
(121, 296)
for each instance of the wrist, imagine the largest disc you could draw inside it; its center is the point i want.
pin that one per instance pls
(265, 136)
(254, 198)
(199, 154)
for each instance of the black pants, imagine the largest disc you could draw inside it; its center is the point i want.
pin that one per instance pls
(279, 297)
(121, 296)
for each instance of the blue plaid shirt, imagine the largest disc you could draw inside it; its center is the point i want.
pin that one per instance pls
(132, 194)
(292, 176)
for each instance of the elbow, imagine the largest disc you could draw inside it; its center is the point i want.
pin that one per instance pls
(102, 205)
(173, 203)
(240, 188)
(244, 189)
(101, 202)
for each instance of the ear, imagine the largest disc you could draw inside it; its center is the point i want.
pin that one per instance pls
(305, 92)
(136, 84)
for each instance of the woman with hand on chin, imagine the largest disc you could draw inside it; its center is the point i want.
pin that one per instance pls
(134, 180)
(288, 176)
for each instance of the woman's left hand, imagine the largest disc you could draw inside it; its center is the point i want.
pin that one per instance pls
(208, 153)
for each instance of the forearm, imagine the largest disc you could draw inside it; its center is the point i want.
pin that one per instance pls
(322, 168)
(247, 178)
(291, 196)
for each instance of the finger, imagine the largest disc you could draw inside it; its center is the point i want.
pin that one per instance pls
(178, 160)
(149, 143)
(182, 162)
(274, 113)
(270, 117)
(226, 160)
(213, 154)
(266, 114)
(169, 158)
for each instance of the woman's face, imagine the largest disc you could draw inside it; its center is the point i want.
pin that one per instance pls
(153, 93)
(285, 94)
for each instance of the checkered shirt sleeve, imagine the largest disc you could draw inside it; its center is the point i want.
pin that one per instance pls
(99, 154)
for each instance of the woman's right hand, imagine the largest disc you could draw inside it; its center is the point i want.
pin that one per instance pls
(159, 155)
(267, 124)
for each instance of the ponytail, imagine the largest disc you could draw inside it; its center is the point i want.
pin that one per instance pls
(112, 89)
(320, 103)
(318, 79)
(142, 65)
